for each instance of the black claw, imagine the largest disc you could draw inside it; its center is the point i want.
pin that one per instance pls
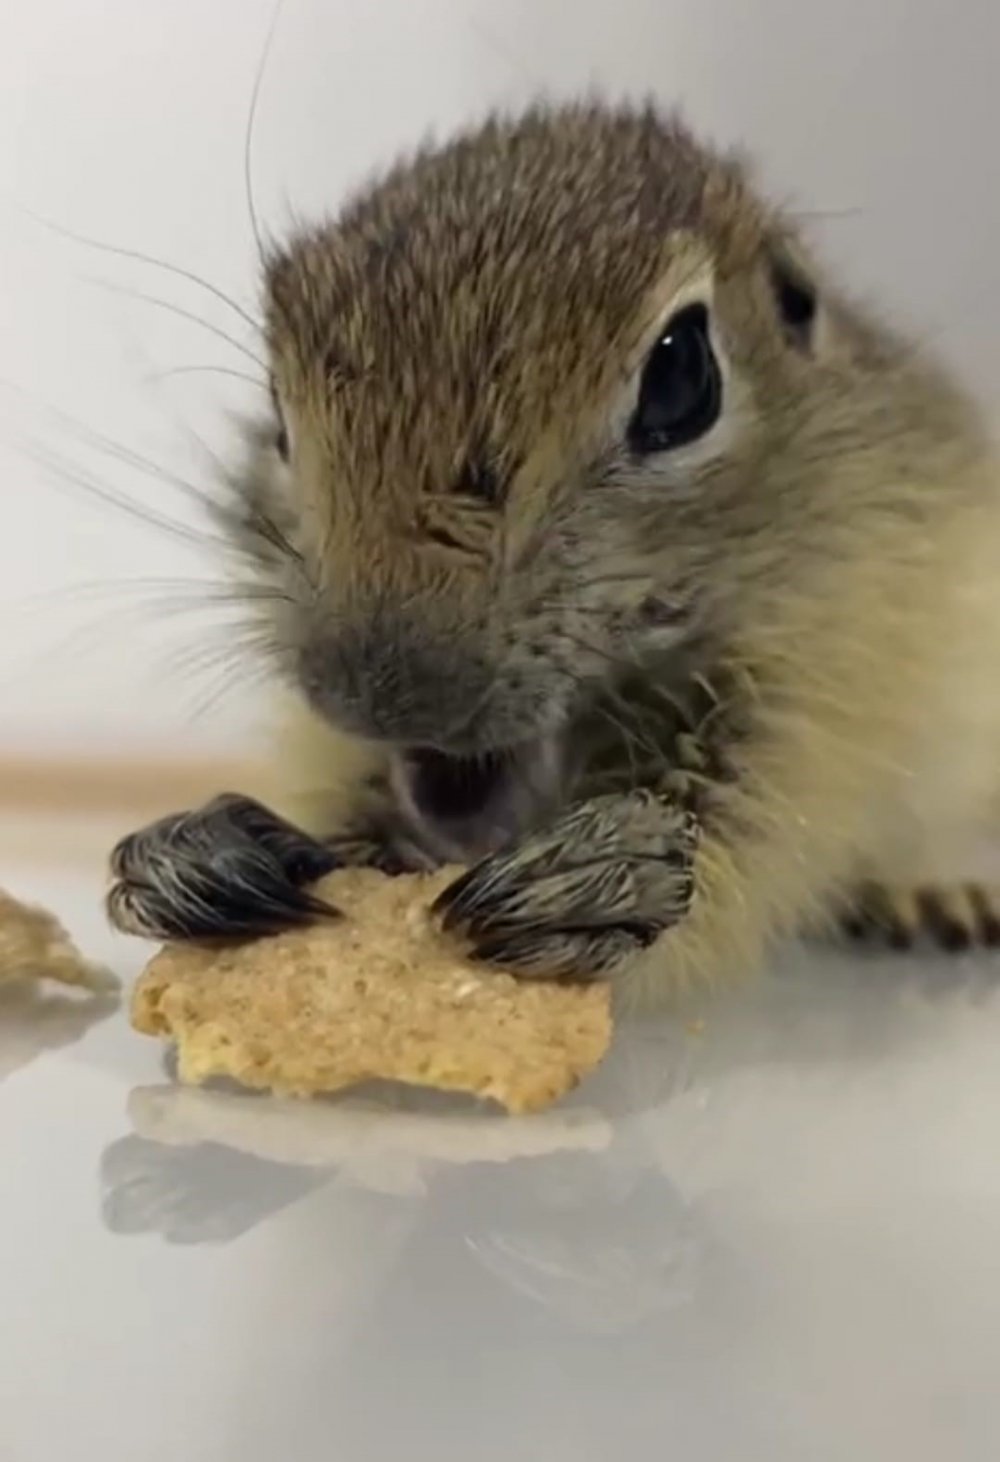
(512, 952)
(579, 899)
(210, 908)
(301, 858)
(567, 955)
(231, 870)
(456, 903)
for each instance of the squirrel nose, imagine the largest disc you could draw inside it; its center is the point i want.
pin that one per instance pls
(396, 682)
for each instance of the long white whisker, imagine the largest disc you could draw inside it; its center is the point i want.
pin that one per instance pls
(100, 246)
(178, 310)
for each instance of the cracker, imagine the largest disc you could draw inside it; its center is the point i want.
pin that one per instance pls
(379, 993)
(35, 946)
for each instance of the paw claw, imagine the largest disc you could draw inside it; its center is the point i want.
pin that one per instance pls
(582, 896)
(229, 870)
(567, 955)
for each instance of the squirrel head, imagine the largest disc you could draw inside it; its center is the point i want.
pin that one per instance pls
(549, 402)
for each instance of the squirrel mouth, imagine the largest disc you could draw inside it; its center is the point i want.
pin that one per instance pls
(464, 807)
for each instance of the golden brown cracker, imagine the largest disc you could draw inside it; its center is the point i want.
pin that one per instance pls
(379, 993)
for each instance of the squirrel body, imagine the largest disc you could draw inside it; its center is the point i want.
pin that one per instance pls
(589, 501)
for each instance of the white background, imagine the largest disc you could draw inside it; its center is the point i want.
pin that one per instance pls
(126, 121)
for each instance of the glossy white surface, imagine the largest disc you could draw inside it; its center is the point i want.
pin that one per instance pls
(772, 1237)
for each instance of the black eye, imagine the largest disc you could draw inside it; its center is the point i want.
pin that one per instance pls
(680, 395)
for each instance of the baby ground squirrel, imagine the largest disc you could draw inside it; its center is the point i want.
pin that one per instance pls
(590, 513)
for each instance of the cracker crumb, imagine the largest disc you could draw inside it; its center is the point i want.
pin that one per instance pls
(35, 946)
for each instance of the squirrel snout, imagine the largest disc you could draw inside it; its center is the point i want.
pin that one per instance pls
(395, 682)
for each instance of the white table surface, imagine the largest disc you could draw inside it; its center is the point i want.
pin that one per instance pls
(774, 1237)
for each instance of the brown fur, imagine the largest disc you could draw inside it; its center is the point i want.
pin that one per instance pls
(451, 356)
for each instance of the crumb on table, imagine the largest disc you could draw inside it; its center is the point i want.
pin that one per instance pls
(35, 946)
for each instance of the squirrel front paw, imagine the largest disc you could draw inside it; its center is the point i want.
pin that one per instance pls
(233, 869)
(581, 897)
(230, 869)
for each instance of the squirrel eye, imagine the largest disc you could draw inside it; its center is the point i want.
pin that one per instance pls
(680, 394)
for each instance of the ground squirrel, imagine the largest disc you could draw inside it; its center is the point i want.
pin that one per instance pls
(590, 518)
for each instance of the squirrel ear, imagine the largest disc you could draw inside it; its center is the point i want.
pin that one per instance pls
(795, 296)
